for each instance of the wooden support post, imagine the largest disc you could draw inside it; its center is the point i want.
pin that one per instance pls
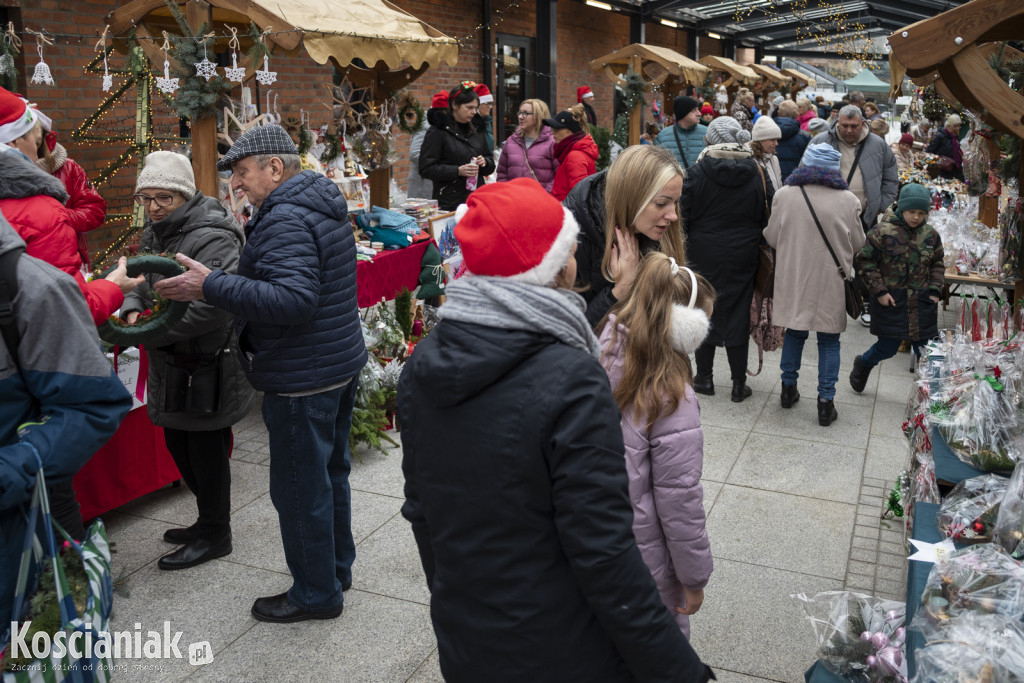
(143, 131)
(204, 130)
(380, 188)
(636, 114)
(988, 207)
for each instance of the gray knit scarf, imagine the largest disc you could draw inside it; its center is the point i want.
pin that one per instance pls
(508, 305)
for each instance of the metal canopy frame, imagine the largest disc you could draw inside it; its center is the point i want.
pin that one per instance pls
(775, 25)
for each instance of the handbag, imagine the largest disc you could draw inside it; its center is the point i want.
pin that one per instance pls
(854, 303)
(192, 381)
(78, 663)
(946, 164)
(764, 276)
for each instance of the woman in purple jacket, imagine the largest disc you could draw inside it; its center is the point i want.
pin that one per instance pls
(530, 152)
(645, 342)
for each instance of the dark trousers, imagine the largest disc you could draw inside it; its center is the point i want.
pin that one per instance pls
(65, 511)
(202, 459)
(737, 355)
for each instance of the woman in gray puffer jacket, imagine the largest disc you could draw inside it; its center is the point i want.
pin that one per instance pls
(182, 220)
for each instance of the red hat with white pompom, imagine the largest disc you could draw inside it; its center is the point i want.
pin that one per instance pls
(582, 92)
(16, 117)
(515, 229)
(484, 93)
(440, 100)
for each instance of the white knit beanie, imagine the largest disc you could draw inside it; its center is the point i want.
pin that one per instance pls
(168, 171)
(726, 129)
(765, 129)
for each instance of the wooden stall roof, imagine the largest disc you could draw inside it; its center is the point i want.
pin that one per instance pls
(798, 77)
(951, 50)
(740, 74)
(680, 66)
(773, 75)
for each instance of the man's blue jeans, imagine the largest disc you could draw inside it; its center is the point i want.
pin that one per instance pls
(828, 360)
(309, 468)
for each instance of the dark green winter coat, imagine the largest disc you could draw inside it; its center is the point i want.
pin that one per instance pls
(907, 263)
(203, 230)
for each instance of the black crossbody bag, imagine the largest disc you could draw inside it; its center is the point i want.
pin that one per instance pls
(192, 381)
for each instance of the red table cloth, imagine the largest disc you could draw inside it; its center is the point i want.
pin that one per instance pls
(388, 272)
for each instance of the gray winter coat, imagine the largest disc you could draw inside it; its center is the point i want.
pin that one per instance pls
(877, 165)
(202, 230)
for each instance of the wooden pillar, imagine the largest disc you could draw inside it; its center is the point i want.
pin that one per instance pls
(143, 129)
(380, 188)
(204, 130)
(988, 207)
(636, 114)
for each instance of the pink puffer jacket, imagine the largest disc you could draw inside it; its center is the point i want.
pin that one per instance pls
(664, 466)
(516, 160)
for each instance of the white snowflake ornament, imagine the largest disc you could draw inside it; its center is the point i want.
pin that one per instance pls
(266, 76)
(167, 84)
(42, 71)
(206, 69)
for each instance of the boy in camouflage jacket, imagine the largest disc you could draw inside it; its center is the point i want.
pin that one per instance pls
(902, 266)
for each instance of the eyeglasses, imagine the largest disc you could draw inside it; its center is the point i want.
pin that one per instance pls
(525, 113)
(162, 200)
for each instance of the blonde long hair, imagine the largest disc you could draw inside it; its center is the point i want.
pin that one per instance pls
(655, 375)
(579, 115)
(540, 112)
(634, 179)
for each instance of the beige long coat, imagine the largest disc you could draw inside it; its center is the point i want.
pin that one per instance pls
(808, 290)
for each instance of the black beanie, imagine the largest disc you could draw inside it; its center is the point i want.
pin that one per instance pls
(683, 105)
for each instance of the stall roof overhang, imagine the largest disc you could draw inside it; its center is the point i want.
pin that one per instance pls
(373, 31)
(683, 68)
(765, 23)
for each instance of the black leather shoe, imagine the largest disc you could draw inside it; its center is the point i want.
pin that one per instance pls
(740, 391)
(859, 375)
(181, 536)
(278, 610)
(789, 395)
(827, 413)
(704, 385)
(200, 550)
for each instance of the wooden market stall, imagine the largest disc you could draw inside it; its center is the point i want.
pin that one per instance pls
(395, 47)
(737, 75)
(800, 81)
(659, 67)
(772, 79)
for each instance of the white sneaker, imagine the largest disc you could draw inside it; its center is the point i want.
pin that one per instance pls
(865, 319)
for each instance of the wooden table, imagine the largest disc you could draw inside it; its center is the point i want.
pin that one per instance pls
(955, 279)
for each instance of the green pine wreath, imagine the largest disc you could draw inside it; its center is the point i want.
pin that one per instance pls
(165, 315)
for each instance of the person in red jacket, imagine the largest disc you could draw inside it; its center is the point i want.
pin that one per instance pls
(575, 150)
(86, 208)
(33, 202)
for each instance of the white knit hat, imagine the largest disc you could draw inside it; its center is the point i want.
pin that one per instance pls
(765, 129)
(168, 171)
(726, 129)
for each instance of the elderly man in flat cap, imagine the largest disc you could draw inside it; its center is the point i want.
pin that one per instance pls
(294, 302)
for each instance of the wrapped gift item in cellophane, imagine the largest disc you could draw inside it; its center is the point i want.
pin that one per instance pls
(975, 647)
(1009, 528)
(968, 513)
(981, 422)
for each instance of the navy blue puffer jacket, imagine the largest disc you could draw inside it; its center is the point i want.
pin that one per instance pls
(294, 296)
(791, 145)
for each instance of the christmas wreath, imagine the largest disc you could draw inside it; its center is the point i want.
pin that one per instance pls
(410, 113)
(164, 315)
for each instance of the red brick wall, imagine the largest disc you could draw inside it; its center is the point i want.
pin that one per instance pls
(583, 33)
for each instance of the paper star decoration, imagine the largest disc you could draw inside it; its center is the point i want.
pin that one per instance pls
(932, 552)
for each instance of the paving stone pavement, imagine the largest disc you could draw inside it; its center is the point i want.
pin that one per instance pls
(792, 508)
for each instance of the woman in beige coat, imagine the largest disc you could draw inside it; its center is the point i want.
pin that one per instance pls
(808, 288)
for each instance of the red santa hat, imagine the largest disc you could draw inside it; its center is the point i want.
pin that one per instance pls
(484, 93)
(440, 100)
(515, 229)
(16, 118)
(582, 92)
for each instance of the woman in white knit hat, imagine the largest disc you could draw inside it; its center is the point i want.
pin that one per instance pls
(764, 139)
(196, 413)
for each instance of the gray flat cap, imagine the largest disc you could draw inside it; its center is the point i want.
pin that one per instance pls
(258, 140)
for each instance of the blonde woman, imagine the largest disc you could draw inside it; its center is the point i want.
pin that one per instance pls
(641, 191)
(807, 111)
(530, 152)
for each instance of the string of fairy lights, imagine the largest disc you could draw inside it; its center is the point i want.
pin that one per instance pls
(828, 25)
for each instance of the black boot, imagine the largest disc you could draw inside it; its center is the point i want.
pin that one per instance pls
(740, 391)
(197, 552)
(704, 385)
(827, 413)
(859, 375)
(789, 395)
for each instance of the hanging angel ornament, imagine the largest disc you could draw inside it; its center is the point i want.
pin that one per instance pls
(206, 69)
(233, 73)
(42, 75)
(167, 84)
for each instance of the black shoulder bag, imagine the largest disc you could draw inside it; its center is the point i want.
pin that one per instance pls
(679, 146)
(854, 304)
(192, 381)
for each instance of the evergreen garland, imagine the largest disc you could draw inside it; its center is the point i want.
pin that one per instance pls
(602, 138)
(259, 49)
(403, 312)
(197, 97)
(933, 106)
(305, 140)
(707, 90)
(407, 102)
(1010, 145)
(8, 69)
(633, 89)
(332, 147)
(620, 133)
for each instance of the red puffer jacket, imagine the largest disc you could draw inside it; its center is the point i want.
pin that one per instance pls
(32, 202)
(577, 158)
(86, 208)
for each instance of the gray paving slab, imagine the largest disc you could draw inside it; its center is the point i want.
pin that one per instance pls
(748, 623)
(429, 671)
(806, 468)
(388, 563)
(851, 429)
(720, 411)
(760, 527)
(374, 471)
(711, 490)
(887, 456)
(722, 448)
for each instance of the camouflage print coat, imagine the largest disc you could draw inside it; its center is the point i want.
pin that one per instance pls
(907, 263)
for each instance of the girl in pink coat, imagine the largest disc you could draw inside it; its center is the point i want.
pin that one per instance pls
(645, 342)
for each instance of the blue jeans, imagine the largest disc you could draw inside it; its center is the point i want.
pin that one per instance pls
(309, 467)
(885, 348)
(828, 360)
